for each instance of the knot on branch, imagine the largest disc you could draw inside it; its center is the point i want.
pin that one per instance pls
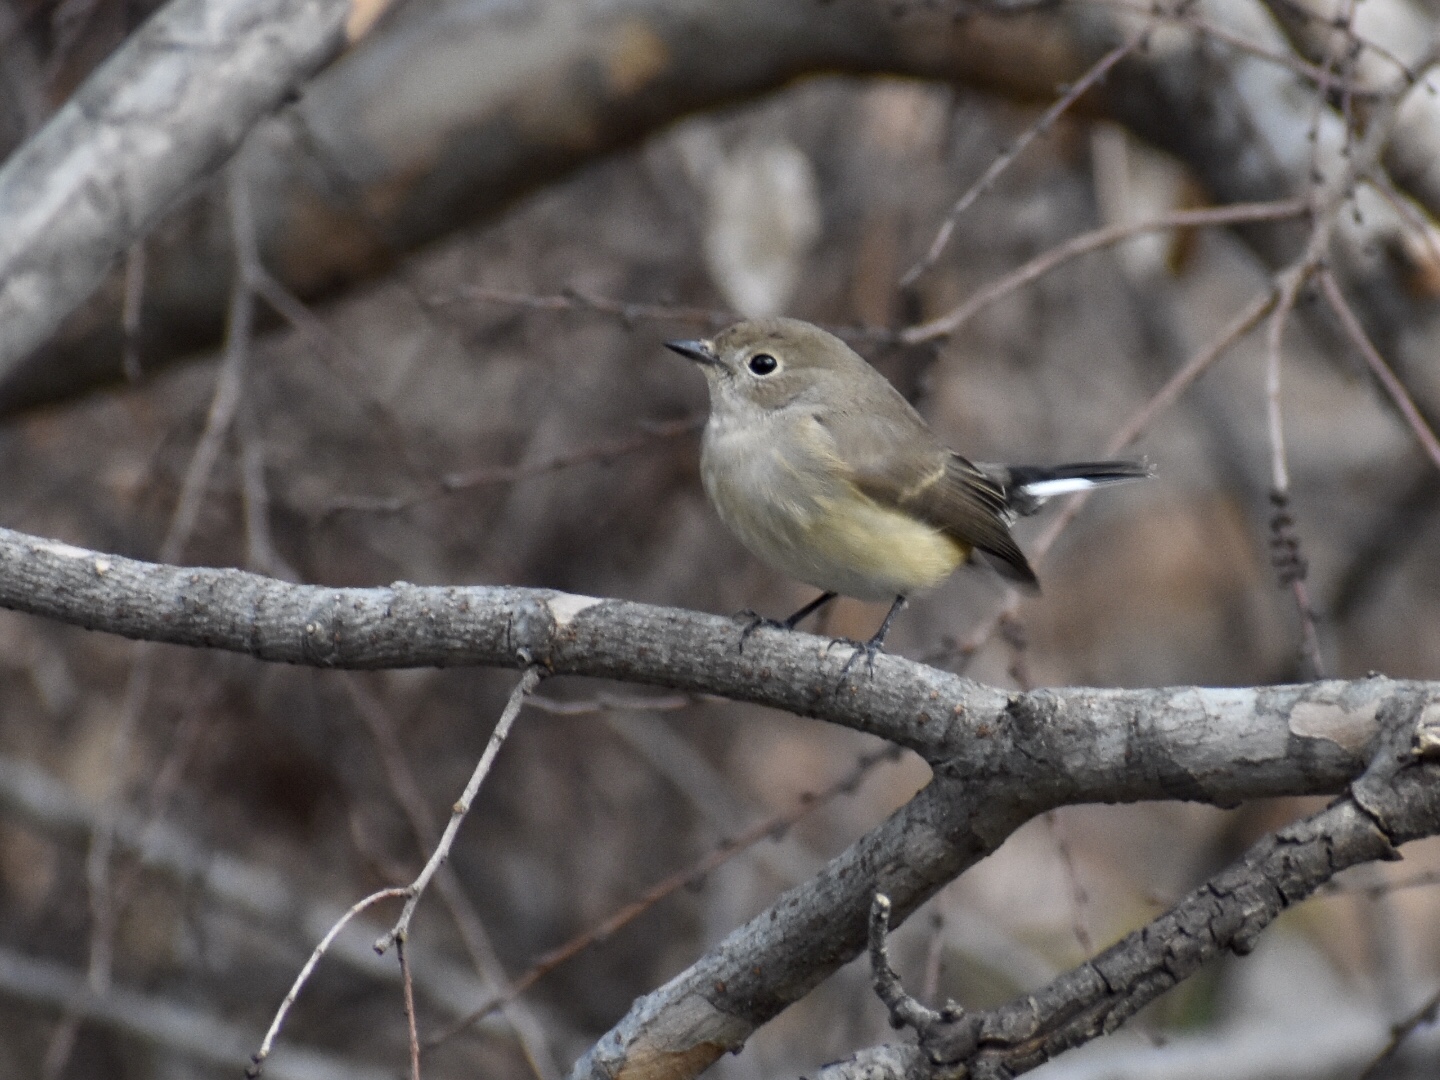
(946, 1035)
(1395, 791)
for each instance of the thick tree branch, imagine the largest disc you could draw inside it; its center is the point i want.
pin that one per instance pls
(1395, 801)
(998, 758)
(1172, 742)
(167, 109)
(387, 165)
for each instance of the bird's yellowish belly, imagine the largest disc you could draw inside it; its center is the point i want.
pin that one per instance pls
(840, 541)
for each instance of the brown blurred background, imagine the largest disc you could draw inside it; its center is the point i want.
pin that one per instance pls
(813, 202)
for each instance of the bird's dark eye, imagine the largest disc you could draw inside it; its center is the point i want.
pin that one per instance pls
(763, 363)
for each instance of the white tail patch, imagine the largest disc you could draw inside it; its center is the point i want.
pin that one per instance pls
(1048, 489)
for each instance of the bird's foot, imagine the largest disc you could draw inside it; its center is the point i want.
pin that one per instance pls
(754, 621)
(868, 649)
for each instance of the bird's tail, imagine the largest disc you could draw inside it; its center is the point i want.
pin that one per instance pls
(1028, 487)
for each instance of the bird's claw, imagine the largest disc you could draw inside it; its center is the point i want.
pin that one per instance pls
(868, 649)
(754, 621)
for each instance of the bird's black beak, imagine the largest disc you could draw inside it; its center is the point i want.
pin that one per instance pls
(702, 352)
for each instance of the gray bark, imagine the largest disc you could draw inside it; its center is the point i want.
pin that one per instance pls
(384, 162)
(168, 109)
(998, 759)
(1395, 801)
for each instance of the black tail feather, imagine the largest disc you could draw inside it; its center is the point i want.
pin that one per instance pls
(1026, 485)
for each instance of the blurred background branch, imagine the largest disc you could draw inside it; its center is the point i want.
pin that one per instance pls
(467, 237)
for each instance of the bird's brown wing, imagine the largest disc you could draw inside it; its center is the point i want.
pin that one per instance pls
(911, 470)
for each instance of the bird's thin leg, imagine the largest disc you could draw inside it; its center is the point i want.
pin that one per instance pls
(809, 609)
(871, 648)
(757, 621)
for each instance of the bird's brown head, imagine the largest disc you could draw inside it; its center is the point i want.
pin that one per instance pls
(768, 363)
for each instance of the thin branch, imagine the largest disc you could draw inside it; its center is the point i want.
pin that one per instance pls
(1128, 433)
(1095, 240)
(524, 1026)
(767, 829)
(416, 889)
(1422, 431)
(1326, 24)
(1077, 89)
(257, 1061)
(905, 1011)
(654, 433)
(1289, 288)
(131, 309)
(409, 1009)
(1285, 553)
(174, 1026)
(1400, 1032)
(629, 312)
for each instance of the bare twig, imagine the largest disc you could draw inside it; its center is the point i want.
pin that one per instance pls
(257, 1062)
(1289, 288)
(406, 791)
(1138, 423)
(1079, 896)
(1093, 241)
(176, 1027)
(769, 828)
(130, 310)
(1285, 553)
(607, 702)
(1400, 1032)
(905, 1011)
(1076, 90)
(409, 1009)
(416, 889)
(1324, 23)
(654, 433)
(1387, 378)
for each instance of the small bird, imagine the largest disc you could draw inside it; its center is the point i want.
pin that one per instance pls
(826, 472)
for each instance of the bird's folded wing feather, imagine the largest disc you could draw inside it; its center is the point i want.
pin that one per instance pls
(909, 469)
